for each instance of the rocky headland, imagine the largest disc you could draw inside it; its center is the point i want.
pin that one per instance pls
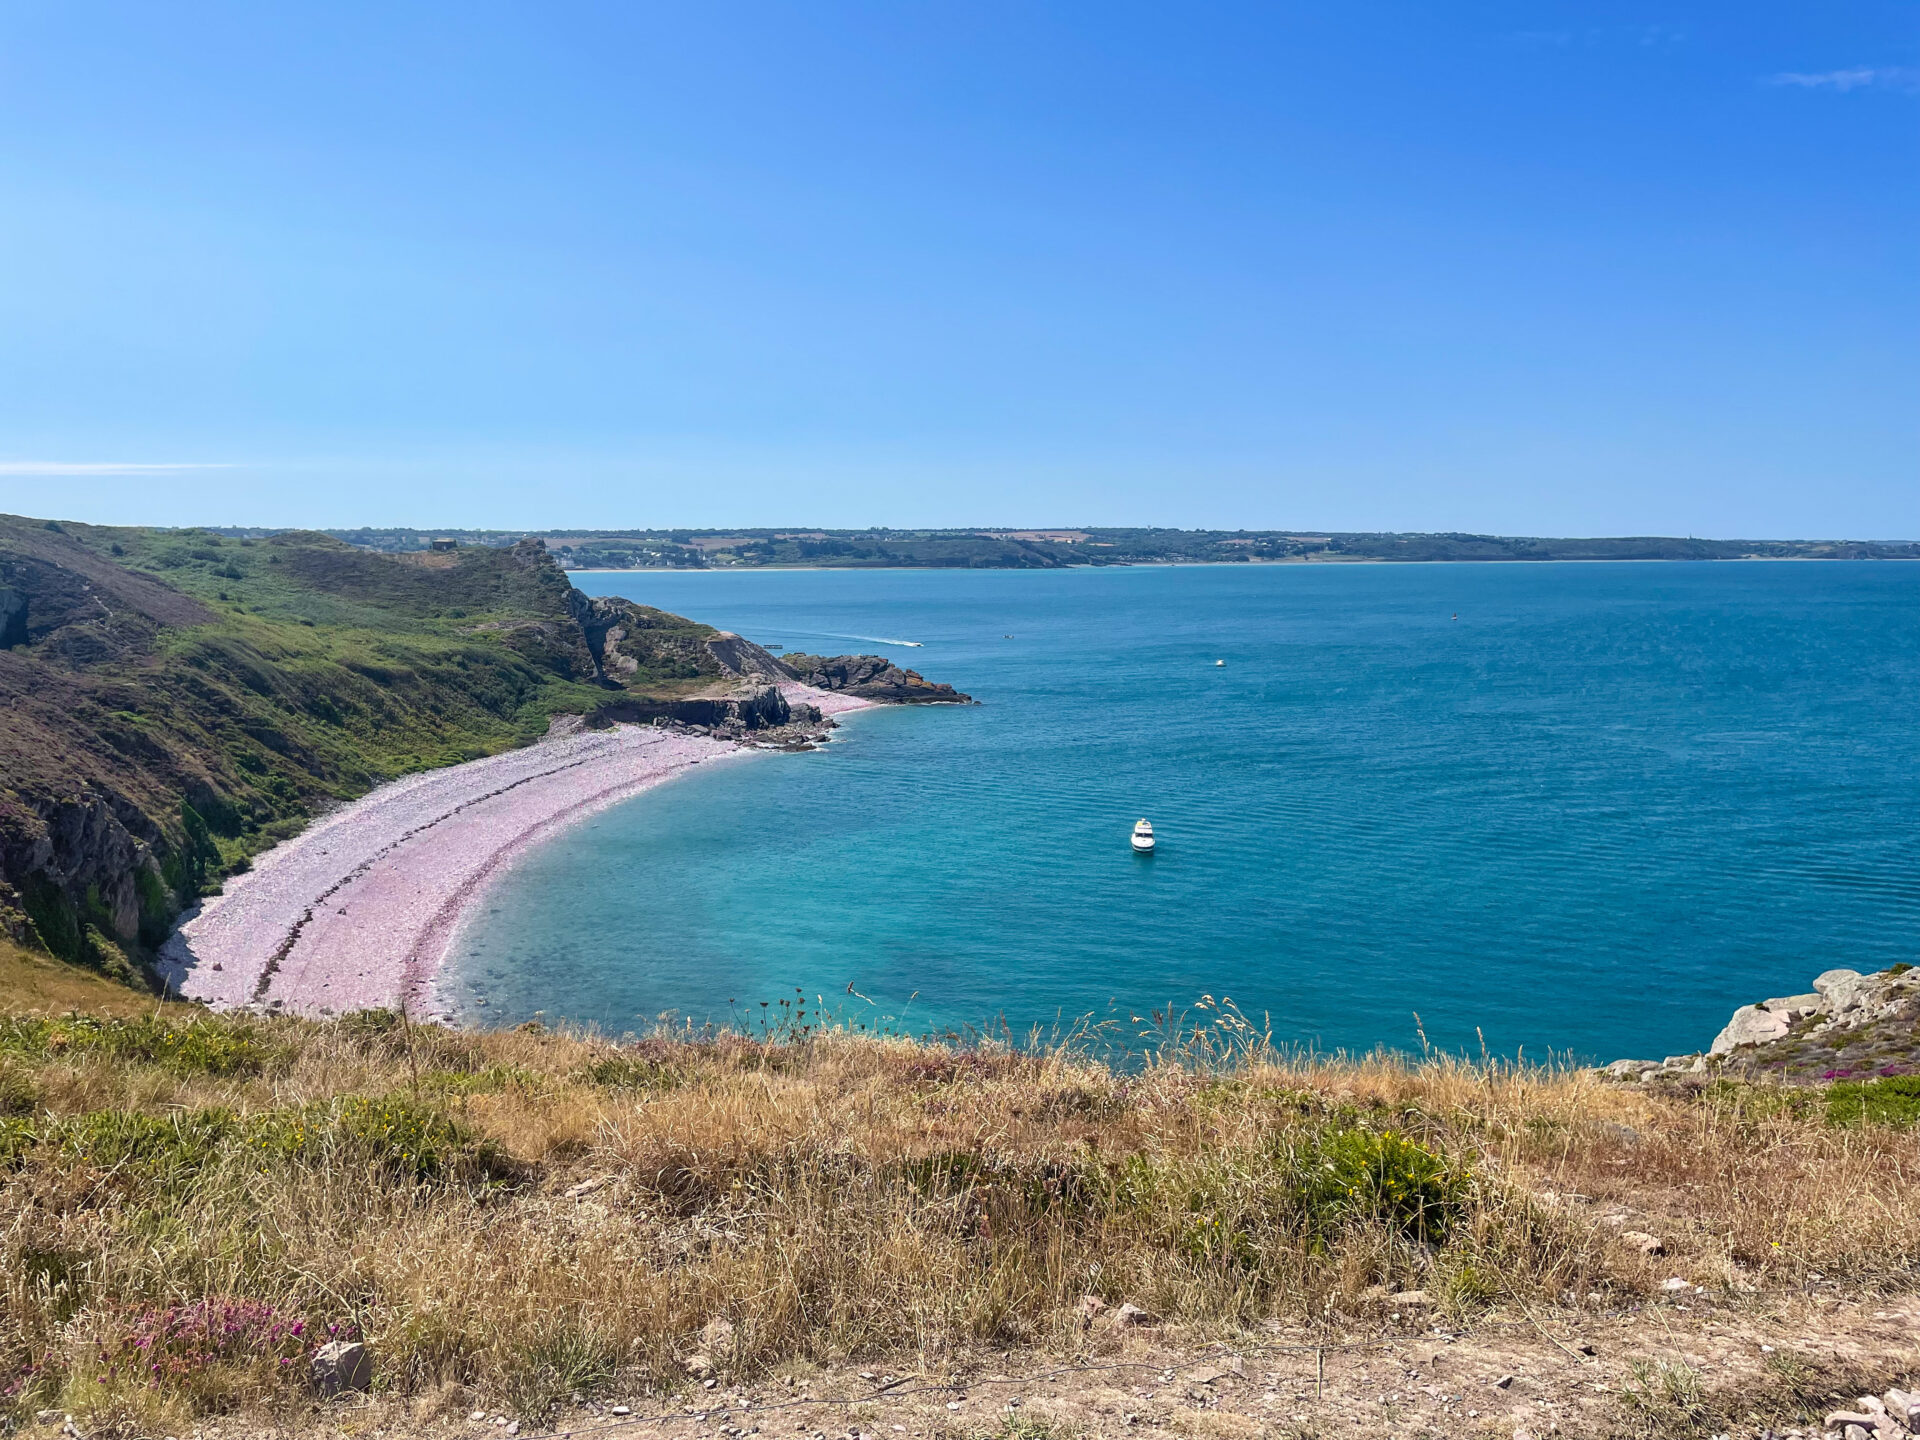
(871, 677)
(1849, 1026)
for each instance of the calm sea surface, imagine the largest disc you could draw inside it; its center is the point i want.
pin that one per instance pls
(1580, 807)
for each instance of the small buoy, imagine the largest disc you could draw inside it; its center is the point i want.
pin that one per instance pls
(1219, 662)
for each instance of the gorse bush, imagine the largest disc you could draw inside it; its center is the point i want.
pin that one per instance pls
(1367, 1176)
(1894, 1101)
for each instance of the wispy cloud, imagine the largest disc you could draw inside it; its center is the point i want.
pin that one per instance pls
(1859, 77)
(100, 467)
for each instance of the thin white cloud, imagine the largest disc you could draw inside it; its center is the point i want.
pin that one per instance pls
(1859, 77)
(98, 467)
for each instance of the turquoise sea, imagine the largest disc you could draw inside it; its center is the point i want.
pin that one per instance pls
(1585, 808)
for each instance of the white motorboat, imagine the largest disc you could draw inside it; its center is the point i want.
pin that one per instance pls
(1143, 837)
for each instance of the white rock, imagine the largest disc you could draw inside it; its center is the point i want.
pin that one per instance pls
(1750, 1025)
(1674, 1284)
(1629, 1069)
(1796, 1007)
(1643, 1242)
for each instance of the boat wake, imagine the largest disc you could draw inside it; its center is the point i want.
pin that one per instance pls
(868, 639)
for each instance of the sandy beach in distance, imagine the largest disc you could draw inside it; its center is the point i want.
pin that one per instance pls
(359, 909)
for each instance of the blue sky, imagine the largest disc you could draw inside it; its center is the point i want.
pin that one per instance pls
(1526, 268)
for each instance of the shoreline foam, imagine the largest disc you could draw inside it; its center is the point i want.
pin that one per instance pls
(360, 909)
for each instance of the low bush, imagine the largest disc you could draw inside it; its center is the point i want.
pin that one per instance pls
(629, 1072)
(1386, 1178)
(174, 1345)
(397, 1137)
(143, 1151)
(1892, 1101)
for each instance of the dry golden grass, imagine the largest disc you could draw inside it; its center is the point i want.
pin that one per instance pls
(533, 1216)
(35, 983)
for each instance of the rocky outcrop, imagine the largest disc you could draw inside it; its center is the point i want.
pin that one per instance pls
(872, 677)
(1848, 1025)
(761, 708)
(738, 656)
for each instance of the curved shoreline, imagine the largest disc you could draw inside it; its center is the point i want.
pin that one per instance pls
(360, 909)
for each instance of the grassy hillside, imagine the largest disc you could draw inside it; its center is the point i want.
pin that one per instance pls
(172, 702)
(527, 1222)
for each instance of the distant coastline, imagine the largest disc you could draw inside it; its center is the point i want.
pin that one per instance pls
(594, 551)
(1289, 562)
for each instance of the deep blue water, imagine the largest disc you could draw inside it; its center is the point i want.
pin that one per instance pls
(1594, 812)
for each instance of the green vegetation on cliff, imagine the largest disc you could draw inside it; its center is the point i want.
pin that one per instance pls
(173, 701)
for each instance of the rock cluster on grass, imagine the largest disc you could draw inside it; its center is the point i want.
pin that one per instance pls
(1849, 1025)
(1893, 1416)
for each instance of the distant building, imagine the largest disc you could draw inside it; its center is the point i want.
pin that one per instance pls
(443, 544)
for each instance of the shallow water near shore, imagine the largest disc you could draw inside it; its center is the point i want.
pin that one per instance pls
(1593, 813)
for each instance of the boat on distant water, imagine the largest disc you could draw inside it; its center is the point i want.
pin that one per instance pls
(1143, 837)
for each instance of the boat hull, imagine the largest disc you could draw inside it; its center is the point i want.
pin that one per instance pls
(1143, 844)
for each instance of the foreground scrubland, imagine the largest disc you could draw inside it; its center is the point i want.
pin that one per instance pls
(523, 1223)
